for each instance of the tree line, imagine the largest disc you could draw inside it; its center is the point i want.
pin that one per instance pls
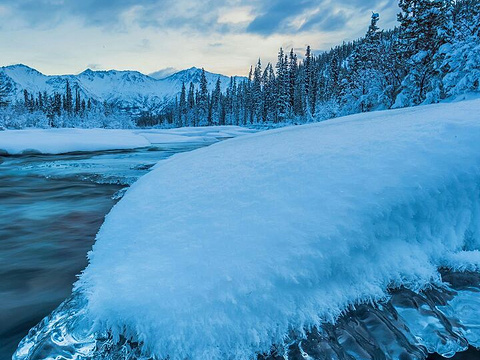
(67, 109)
(433, 54)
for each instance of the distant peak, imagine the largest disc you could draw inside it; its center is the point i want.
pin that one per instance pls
(87, 71)
(20, 66)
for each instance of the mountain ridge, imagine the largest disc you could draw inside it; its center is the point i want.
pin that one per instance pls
(129, 90)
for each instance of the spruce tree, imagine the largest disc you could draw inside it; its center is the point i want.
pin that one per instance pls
(282, 86)
(217, 102)
(257, 100)
(292, 80)
(308, 74)
(78, 101)
(269, 94)
(460, 57)
(202, 99)
(68, 99)
(183, 106)
(361, 91)
(419, 41)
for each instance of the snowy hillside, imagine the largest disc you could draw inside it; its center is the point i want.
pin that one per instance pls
(129, 90)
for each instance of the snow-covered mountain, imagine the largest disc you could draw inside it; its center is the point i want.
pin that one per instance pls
(129, 90)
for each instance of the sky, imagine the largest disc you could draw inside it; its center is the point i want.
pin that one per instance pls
(223, 36)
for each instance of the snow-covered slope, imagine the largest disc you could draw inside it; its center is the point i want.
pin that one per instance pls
(130, 90)
(221, 252)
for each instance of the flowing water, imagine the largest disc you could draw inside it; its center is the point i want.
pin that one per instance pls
(51, 207)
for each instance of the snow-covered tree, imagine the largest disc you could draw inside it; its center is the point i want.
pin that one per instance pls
(361, 88)
(202, 100)
(461, 56)
(423, 30)
(282, 81)
(257, 100)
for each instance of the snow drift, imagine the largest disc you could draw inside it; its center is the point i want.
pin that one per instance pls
(222, 252)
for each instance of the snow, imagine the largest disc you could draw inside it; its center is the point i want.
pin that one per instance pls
(202, 134)
(58, 141)
(221, 252)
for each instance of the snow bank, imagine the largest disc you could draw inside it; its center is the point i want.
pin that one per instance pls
(219, 253)
(59, 141)
(193, 134)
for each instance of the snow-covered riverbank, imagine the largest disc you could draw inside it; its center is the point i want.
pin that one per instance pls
(222, 252)
(60, 141)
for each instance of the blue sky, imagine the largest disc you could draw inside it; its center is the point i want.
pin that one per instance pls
(226, 36)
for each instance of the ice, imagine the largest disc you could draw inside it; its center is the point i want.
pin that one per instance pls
(203, 134)
(226, 251)
(59, 141)
(408, 325)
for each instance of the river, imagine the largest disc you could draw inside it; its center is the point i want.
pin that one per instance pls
(51, 207)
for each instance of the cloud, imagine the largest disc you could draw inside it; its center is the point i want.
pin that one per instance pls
(286, 16)
(214, 16)
(273, 16)
(226, 35)
(110, 14)
(163, 73)
(324, 21)
(94, 66)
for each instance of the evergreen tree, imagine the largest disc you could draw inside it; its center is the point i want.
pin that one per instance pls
(419, 41)
(269, 94)
(460, 57)
(257, 100)
(217, 102)
(68, 99)
(57, 104)
(292, 81)
(308, 75)
(362, 89)
(334, 78)
(78, 101)
(202, 100)
(183, 106)
(26, 99)
(282, 86)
